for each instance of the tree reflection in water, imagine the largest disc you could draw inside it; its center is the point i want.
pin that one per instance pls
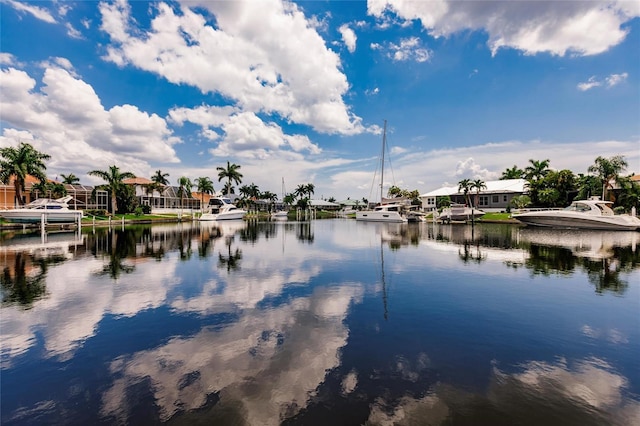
(22, 285)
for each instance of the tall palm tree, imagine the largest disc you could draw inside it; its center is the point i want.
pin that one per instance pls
(513, 173)
(228, 189)
(70, 179)
(160, 178)
(311, 189)
(230, 173)
(114, 185)
(464, 186)
(205, 186)
(478, 185)
(536, 170)
(301, 190)
(184, 188)
(20, 162)
(608, 170)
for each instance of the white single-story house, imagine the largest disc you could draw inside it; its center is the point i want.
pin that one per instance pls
(494, 198)
(324, 205)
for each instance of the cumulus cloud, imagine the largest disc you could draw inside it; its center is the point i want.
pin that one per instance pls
(275, 61)
(348, 37)
(240, 133)
(559, 28)
(64, 111)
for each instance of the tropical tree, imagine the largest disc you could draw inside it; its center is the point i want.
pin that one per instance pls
(49, 189)
(289, 199)
(464, 186)
(563, 182)
(630, 195)
(184, 188)
(205, 186)
(587, 185)
(513, 173)
(230, 173)
(311, 189)
(536, 170)
(300, 191)
(70, 179)
(394, 192)
(521, 201)
(114, 178)
(608, 170)
(160, 178)
(228, 189)
(478, 185)
(19, 163)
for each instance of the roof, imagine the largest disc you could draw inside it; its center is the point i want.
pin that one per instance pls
(493, 186)
(322, 203)
(137, 181)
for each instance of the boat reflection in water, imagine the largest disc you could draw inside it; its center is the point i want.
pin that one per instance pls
(328, 321)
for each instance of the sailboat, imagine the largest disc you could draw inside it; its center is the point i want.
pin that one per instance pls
(280, 214)
(388, 210)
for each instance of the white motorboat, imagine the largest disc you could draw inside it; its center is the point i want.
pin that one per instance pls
(582, 214)
(459, 212)
(54, 211)
(385, 212)
(280, 214)
(221, 208)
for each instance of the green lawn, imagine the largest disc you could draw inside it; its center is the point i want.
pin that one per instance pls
(496, 216)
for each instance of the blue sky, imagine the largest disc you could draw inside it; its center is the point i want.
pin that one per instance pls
(300, 90)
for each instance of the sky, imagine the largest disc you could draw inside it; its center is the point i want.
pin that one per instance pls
(298, 92)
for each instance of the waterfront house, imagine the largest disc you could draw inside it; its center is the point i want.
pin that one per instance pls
(494, 198)
(84, 196)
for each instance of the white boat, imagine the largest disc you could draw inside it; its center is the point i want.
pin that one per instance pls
(583, 214)
(221, 208)
(54, 211)
(385, 212)
(280, 214)
(459, 212)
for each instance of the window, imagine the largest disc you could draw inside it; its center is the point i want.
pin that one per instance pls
(484, 200)
(494, 199)
(504, 198)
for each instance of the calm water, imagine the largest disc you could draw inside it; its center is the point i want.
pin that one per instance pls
(329, 322)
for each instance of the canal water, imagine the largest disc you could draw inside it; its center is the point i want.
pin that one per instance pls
(325, 322)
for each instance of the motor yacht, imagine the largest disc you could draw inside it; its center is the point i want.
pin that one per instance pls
(221, 208)
(54, 211)
(583, 214)
(459, 212)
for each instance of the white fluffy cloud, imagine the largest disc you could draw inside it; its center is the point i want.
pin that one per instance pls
(348, 37)
(581, 28)
(66, 119)
(275, 62)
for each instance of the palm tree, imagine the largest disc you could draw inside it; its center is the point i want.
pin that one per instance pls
(184, 188)
(230, 173)
(70, 179)
(512, 173)
(464, 186)
(478, 185)
(608, 170)
(205, 186)
(20, 162)
(536, 170)
(160, 178)
(300, 190)
(228, 189)
(311, 189)
(114, 185)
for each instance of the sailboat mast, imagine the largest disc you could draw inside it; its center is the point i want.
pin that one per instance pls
(384, 143)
